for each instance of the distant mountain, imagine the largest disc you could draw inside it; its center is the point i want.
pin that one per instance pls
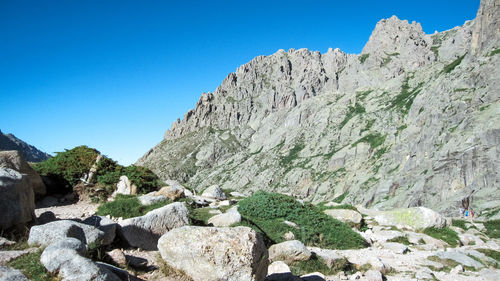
(29, 152)
(411, 121)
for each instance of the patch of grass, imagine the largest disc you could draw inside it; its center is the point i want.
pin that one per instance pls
(491, 253)
(32, 268)
(400, 239)
(492, 228)
(127, 206)
(404, 100)
(379, 153)
(373, 139)
(460, 90)
(352, 111)
(446, 234)
(200, 216)
(322, 207)
(449, 68)
(369, 182)
(368, 126)
(340, 198)
(363, 58)
(448, 264)
(316, 264)
(435, 49)
(494, 52)
(361, 96)
(292, 154)
(459, 223)
(268, 210)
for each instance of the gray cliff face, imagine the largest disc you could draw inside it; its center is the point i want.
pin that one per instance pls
(29, 152)
(414, 120)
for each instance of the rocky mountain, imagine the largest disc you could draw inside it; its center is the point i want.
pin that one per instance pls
(414, 120)
(29, 152)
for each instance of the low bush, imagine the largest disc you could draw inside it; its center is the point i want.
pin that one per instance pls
(127, 206)
(316, 264)
(400, 239)
(459, 223)
(446, 234)
(267, 211)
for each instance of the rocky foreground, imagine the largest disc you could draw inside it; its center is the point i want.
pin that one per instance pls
(167, 243)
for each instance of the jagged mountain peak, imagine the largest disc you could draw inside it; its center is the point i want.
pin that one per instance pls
(402, 124)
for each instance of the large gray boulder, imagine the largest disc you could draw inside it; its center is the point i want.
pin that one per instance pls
(44, 235)
(17, 200)
(348, 216)
(209, 253)
(214, 192)
(143, 232)
(411, 218)
(65, 257)
(105, 225)
(289, 252)
(12, 159)
(229, 218)
(10, 274)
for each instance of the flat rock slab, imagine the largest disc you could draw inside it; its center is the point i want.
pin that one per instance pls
(52, 232)
(349, 216)
(459, 257)
(7, 256)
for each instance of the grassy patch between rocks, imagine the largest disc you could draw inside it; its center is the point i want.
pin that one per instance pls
(492, 228)
(316, 264)
(449, 68)
(459, 223)
(491, 253)
(322, 207)
(446, 234)
(127, 206)
(32, 268)
(267, 211)
(400, 239)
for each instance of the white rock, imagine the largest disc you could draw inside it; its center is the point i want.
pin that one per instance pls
(17, 199)
(172, 192)
(143, 232)
(289, 252)
(227, 219)
(214, 192)
(209, 253)
(52, 232)
(373, 275)
(148, 199)
(10, 274)
(411, 218)
(344, 215)
(125, 186)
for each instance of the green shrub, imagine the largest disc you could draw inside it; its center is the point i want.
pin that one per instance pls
(446, 234)
(32, 268)
(316, 264)
(494, 52)
(267, 211)
(492, 228)
(127, 206)
(322, 207)
(404, 100)
(363, 58)
(145, 180)
(400, 239)
(68, 166)
(352, 111)
(340, 198)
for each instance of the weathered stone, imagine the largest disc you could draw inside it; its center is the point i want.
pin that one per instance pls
(330, 257)
(394, 247)
(411, 218)
(150, 199)
(118, 257)
(214, 192)
(209, 253)
(5, 242)
(289, 252)
(144, 232)
(125, 186)
(229, 218)
(44, 235)
(373, 275)
(279, 271)
(68, 262)
(13, 160)
(459, 257)
(289, 236)
(17, 200)
(7, 256)
(105, 225)
(348, 216)
(172, 192)
(10, 274)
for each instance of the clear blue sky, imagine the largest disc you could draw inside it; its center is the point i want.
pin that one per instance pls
(114, 75)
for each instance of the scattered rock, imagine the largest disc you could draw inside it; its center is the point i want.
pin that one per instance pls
(105, 225)
(237, 194)
(330, 257)
(143, 232)
(150, 199)
(5, 242)
(348, 216)
(13, 160)
(394, 247)
(52, 232)
(289, 236)
(209, 253)
(17, 200)
(411, 218)
(232, 216)
(46, 217)
(214, 192)
(7, 256)
(373, 275)
(172, 192)
(356, 276)
(457, 269)
(459, 257)
(10, 274)
(117, 257)
(125, 186)
(289, 252)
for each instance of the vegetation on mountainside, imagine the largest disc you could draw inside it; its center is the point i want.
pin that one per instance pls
(266, 212)
(449, 68)
(66, 169)
(32, 268)
(363, 58)
(316, 264)
(127, 206)
(492, 228)
(404, 100)
(446, 234)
